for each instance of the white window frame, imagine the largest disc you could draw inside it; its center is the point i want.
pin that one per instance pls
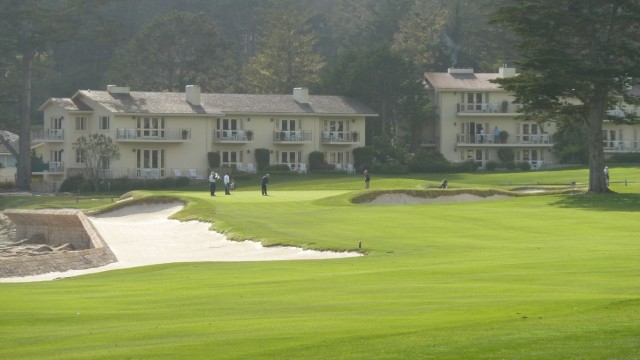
(81, 123)
(104, 123)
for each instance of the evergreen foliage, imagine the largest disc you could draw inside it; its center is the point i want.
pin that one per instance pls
(579, 59)
(262, 158)
(316, 160)
(286, 57)
(175, 50)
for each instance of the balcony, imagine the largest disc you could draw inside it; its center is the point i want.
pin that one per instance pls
(51, 167)
(537, 140)
(291, 136)
(620, 146)
(233, 136)
(487, 108)
(340, 137)
(48, 135)
(153, 135)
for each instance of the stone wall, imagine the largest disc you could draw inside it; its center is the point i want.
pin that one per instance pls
(58, 227)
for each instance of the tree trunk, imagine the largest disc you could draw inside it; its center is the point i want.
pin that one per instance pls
(23, 171)
(597, 182)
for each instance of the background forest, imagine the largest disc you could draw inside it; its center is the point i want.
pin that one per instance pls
(374, 50)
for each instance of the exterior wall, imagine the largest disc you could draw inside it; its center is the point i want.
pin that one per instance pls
(460, 123)
(58, 227)
(186, 155)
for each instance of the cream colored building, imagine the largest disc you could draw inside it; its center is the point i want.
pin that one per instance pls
(471, 108)
(163, 134)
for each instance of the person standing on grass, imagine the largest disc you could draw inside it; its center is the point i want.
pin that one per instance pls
(226, 184)
(264, 182)
(367, 178)
(212, 182)
(606, 175)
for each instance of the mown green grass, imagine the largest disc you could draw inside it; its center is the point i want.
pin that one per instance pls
(527, 277)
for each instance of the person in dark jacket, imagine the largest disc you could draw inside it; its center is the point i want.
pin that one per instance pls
(264, 183)
(367, 179)
(212, 182)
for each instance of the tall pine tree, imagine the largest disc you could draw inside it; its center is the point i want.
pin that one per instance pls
(286, 57)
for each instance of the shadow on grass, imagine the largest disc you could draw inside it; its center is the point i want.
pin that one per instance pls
(601, 202)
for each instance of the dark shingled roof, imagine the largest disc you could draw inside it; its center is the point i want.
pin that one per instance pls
(218, 104)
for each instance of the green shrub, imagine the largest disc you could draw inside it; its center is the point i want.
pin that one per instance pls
(316, 159)
(491, 165)
(510, 165)
(466, 166)
(7, 185)
(325, 167)
(363, 158)
(86, 186)
(392, 168)
(278, 167)
(429, 163)
(213, 158)
(262, 158)
(72, 183)
(625, 158)
(523, 165)
(506, 155)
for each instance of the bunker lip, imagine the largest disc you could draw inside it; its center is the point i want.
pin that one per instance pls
(142, 234)
(406, 199)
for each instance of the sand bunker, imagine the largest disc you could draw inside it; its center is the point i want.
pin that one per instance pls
(406, 199)
(143, 235)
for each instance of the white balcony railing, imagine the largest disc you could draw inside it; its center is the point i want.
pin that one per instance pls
(292, 135)
(153, 134)
(48, 135)
(518, 139)
(492, 108)
(340, 137)
(620, 145)
(233, 135)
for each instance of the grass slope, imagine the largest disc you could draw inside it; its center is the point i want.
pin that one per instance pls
(527, 277)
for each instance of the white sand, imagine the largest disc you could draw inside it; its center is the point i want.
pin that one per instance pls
(143, 235)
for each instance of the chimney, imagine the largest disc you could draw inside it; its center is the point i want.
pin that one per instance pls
(114, 89)
(459, 71)
(506, 72)
(301, 95)
(192, 93)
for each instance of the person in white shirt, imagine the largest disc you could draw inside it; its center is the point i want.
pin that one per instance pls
(226, 184)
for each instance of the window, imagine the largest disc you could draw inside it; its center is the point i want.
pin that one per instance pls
(231, 157)
(229, 124)
(288, 157)
(56, 155)
(288, 125)
(473, 101)
(81, 123)
(337, 157)
(80, 156)
(336, 125)
(56, 123)
(104, 123)
(150, 127)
